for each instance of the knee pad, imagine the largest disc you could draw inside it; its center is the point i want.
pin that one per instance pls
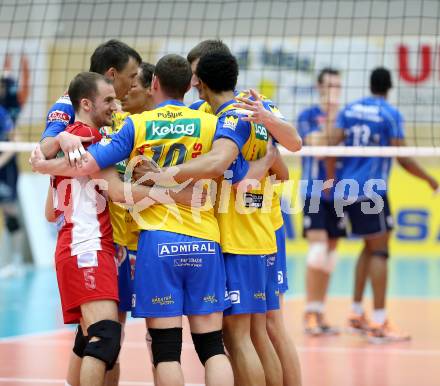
(208, 344)
(166, 344)
(80, 343)
(381, 253)
(317, 256)
(108, 346)
(12, 223)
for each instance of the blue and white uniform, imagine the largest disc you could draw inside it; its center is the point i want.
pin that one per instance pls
(370, 121)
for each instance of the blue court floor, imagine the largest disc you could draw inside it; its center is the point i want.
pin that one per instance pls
(30, 303)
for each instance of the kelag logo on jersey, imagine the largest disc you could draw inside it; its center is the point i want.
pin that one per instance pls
(173, 129)
(188, 248)
(260, 132)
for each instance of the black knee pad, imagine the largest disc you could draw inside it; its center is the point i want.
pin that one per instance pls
(166, 344)
(208, 344)
(381, 253)
(12, 223)
(108, 346)
(81, 342)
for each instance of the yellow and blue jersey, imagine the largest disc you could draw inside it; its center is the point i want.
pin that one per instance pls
(201, 105)
(245, 224)
(169, 135)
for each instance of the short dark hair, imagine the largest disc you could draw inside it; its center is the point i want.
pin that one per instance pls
(327, 71)
(112, 53)
(147, 71)
(219, 71)
(380, 81)
(84, 85)
(207, 47)
(174, 74)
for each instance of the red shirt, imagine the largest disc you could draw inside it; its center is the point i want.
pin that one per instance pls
(83, 217)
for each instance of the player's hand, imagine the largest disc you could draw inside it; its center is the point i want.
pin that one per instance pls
(145, 168)
(36, 158)
(192, 195)
(73, 148)
(254, 108)
(434, 185)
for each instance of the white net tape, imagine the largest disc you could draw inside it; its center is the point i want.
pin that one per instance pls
(314, 151)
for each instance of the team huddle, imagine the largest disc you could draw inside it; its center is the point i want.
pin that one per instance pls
(182, 198)
(179, 251)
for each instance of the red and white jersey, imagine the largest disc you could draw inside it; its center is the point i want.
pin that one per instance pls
(83, 217)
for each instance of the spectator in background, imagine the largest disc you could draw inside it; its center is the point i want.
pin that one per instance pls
(13, 95)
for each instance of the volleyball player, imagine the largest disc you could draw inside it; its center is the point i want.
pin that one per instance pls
(322, 226)
(373, 121)
(287, 136)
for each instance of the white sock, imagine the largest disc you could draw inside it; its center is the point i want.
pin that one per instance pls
(315, 307)
(357, 308)
(379, 316)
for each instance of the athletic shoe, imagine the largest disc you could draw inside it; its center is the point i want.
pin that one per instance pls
(316, 325)
(358, 324)
(385, 333)
(311, 324)
(326, 328)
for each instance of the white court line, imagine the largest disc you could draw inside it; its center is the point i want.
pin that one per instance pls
(368, 349)
(61, 381)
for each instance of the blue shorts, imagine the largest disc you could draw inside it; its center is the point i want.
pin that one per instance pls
(126, 262)
(178, 275)
(368, 224)
(252, 283)
(281, 260)
(324, 218)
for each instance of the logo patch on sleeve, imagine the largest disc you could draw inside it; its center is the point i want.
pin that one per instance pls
(230, 122)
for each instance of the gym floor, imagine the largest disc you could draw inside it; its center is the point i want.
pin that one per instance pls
(35, 345)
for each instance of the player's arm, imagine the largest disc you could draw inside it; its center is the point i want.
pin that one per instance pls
(284, 132)
(209, 165)
(131, 194)
(413, 167)
(49, 210)
(54, 138)
(60, 167)
(98, 156)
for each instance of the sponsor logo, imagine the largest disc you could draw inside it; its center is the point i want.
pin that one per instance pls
(210, 299)
(58, 116)
(195, 262)
(169, 114)
(280, 277)
(226, 295)
(270, 261)
(187, 248)
(261, 132)
(173, 129)
(163, 301)
(260, 295)
(230, 122)
(234, 296)
(253, 200)
(133, 300)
